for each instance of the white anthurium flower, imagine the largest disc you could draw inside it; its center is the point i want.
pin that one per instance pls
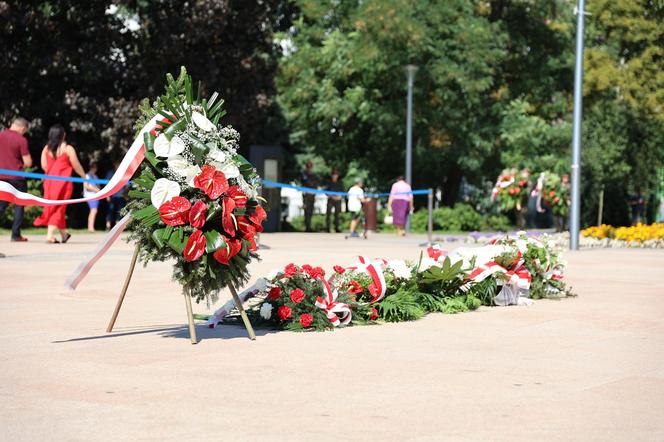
(183, 168)
(163, 190)
(202, 121)
(164, 148)
(217, 155)
(266, 311)
(230, 170)
(399, 268)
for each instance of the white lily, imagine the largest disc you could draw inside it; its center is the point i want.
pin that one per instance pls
(163, 190)
(181, 167)
(164, 148)
(202, 121)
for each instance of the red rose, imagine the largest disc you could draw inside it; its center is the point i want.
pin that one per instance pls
(227, 219)
(290, 270)
(197, 214)
(238, 196)
(274, 293)
(175, 211)
(340, 270)
(195, 246)
(374, 314)
(211, 181)
(297, 296)
(374, 290)
(306, 319)
(522, 183)
(552, 194)
(355, 287)
(284, 312)
(224, 254)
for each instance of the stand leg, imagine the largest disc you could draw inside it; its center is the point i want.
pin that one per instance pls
(130, 272)
(243, 314)
(190, 318)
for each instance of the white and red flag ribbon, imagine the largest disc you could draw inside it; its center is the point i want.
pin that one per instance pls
(375, 270)
(337, 312)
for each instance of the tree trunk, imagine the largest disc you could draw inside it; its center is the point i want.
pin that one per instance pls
(451, 186)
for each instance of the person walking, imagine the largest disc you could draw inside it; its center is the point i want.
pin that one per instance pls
(309, 179)
(14, 155)
(116, 201)
(58, 159)
(400, 204)
(89, 189)
(355, 200)
(333, 201)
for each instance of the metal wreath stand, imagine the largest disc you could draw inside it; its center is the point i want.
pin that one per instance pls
(187, 302)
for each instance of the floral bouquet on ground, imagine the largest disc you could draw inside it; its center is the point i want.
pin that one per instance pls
(195, 199)
(299, 298)
(511, 191)
(555, 194)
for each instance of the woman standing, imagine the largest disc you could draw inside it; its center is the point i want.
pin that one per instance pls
(400, 204)
(57, 158)
(89, 189)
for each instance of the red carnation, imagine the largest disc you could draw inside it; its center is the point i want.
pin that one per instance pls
(318, 272)
(197, 214)
(238, 196)
(284, 312)
(306, 268)
(290, 270)
(297, 296)
(211, 181)
(374, 314)
(274, 293)
(224, 254)
(306, 319)
(355, 287)
(175, 211)
(340, 270)
(195, 246)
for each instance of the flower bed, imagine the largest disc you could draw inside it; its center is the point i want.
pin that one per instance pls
(511, 271)
(641, 235)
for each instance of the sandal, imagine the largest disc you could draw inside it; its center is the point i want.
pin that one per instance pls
(66, 238)
(52, 241)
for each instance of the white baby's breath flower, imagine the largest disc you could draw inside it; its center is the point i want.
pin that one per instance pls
(163, 190)
(266, 311)
(217, 155)
(164, 148)
(183, 168)
(202, 122)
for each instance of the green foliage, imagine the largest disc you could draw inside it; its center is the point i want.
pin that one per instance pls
(401, 306)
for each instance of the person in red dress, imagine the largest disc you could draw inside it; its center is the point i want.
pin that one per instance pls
(58, 158)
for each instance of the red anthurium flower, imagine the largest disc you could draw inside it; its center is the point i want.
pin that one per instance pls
(258, 216)
(306, 319)
(224, 254)
(227, 221)
(211, 181)
(297, 296)
(355, 287)
(238, 196)
(197, 214)
(245, 226)
(340, 270)
(253, 246)
(374, 314)
(274, 293)
(290, 270)
(175, 211)
(195, 246)
(284, 312)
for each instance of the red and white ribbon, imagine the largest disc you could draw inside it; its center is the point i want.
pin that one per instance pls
(83, 268)
(128, 166)
(375, 270)
(435, 252)
(337, 312)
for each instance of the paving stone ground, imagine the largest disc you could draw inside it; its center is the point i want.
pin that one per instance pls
(588, 368)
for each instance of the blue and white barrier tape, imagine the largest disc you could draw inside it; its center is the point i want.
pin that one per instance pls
(266, 183)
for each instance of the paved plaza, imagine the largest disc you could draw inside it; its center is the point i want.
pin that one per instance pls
(585, 368)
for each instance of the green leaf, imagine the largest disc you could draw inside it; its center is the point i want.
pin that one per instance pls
(145, 212)
(137, 194)
(198, 148)
(161, 236)
(148, 141)
(152, 159)
(176, 241)
(213, 241)
(174, 128)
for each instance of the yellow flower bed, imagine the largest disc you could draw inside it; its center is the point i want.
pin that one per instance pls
(638, 233)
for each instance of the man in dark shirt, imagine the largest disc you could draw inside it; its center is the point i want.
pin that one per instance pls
(333, 201)
(14, 155)
(309, 179)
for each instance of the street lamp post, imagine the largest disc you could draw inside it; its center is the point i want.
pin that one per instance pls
(410, 71)
(575, 212)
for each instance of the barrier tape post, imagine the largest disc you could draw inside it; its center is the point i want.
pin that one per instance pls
(430, 209)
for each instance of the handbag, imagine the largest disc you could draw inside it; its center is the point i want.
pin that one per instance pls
(388, 219)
